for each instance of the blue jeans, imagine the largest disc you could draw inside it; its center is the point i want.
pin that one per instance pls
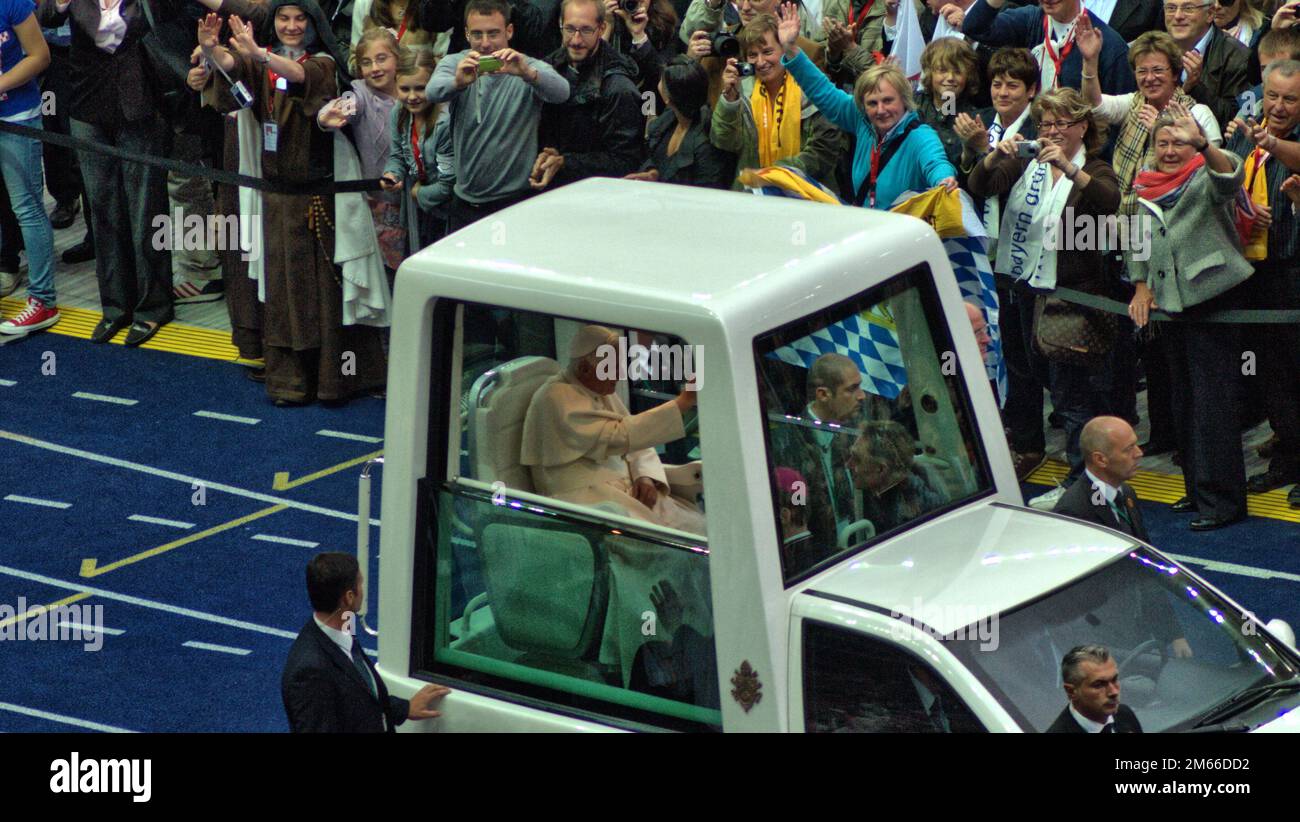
(21, 163)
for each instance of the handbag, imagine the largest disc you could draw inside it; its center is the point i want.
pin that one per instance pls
(1072, 334)
(167, 50)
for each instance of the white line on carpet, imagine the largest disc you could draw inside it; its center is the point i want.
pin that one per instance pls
(1234, 568)
(86, 395)
(213, 415)
(48, 503)
(301, 543)
(172, 475)
(170, 523)
(146, 603)
(344, 435)
(225, 649)
(8, 383)
(91, 629)
(66, 720)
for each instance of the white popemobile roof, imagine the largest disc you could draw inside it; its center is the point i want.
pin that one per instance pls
(680, 249)
(986, 559)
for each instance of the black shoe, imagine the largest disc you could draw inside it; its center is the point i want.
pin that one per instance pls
(65, 214)
(1213, 523)
(107, 329)
(281, 403)
(1267, 481)
(1293, 498)
(82, 252)
(142, 332)
(1183, 506)
(1151, 448)
(255, 374)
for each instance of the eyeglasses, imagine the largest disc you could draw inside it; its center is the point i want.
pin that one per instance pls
(585, 31)
(1151, 72)
(1185, 8)
(1059, 125)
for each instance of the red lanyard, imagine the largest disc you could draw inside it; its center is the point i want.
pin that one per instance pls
(1051, 52)
(861, 17)
(875, 171)
(415, 150)
(274, 78)
(406, 19)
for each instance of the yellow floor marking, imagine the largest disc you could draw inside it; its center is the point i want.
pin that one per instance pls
(90, 567)
(40, 609)
(175, 337)
(283, 483)
(1168, 488)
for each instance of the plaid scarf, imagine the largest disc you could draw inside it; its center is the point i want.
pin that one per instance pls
(1133, 150)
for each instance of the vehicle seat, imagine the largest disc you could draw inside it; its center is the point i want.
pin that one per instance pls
(498, 402)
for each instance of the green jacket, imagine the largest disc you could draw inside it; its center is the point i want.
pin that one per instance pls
(701, 17)
(733, 129)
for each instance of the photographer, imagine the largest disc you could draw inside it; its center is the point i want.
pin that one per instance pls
(766, 118)
(598, 131)
(495, 95)
(706, 19)
(1064, 173)
(646, 31)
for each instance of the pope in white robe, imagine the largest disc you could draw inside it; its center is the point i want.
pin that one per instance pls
(583, 446)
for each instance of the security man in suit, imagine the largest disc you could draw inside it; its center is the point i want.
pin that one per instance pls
(1091, 681)
(1110, 458)
(329, 686)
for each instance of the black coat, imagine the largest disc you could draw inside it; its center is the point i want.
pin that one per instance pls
(1133, 17)
(1077, 502)
(1126, 722)
(529, 20)
(599, 129)
(697, 162)
(1225, 72)
(107, 89)
(323, 691)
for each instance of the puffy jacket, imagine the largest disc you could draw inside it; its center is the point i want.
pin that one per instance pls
(599, 128)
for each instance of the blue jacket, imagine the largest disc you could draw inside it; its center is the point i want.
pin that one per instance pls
(1023, 28)
(920, 162)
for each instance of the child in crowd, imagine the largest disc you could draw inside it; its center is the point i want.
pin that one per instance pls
(368, 110)
(420, 160)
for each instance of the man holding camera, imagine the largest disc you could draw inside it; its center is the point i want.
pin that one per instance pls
(707, 31)
(598, 131)
(495, 96)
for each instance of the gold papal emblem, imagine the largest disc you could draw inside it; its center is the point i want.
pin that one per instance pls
(745, 687)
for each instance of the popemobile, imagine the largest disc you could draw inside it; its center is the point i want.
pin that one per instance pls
(879, 573)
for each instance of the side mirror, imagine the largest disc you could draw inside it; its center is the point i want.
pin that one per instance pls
(1280, 629)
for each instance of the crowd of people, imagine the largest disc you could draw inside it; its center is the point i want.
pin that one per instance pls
(1061, 116)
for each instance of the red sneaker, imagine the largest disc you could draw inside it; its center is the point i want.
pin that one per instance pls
(34, 317)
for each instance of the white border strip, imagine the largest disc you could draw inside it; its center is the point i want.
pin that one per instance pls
(86, 395)
(91, 629)
(47, 503)
(208, 646)
(171, 523)
(343, 435)
(213, 415)
(66, 720)
(7, 383)
(301, 543)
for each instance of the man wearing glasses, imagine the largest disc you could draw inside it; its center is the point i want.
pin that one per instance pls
(598, 131)
(1214, 64)
(495, 96)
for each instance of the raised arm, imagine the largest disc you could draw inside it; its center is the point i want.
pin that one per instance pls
(837, 105)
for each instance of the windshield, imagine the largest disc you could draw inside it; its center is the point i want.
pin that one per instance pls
(1182, 650)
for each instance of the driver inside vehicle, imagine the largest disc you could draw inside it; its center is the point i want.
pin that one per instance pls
(1090, 678)
(582, 445)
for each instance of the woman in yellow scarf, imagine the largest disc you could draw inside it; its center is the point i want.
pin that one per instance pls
(765, 119)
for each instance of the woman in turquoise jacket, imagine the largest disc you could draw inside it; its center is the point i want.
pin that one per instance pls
(895, 152)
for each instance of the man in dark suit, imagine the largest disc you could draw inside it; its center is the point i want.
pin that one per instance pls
(1110, 458)
(817, 447)
(1216, 66)
(1091, 681)
(329, 686)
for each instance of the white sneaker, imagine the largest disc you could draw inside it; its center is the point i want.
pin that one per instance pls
(1046, 502)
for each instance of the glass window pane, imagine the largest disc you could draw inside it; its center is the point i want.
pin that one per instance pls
(855, 684)
(869, 426)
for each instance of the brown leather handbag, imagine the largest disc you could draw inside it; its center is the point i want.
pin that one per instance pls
(1072, 334)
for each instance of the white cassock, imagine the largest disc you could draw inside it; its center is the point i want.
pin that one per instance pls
(587, 448)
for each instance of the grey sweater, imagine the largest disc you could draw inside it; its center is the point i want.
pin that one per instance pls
(494, 126)
(1194, 250)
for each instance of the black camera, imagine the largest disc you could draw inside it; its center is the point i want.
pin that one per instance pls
(745, 69)
(629, 6)
(725, 45)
